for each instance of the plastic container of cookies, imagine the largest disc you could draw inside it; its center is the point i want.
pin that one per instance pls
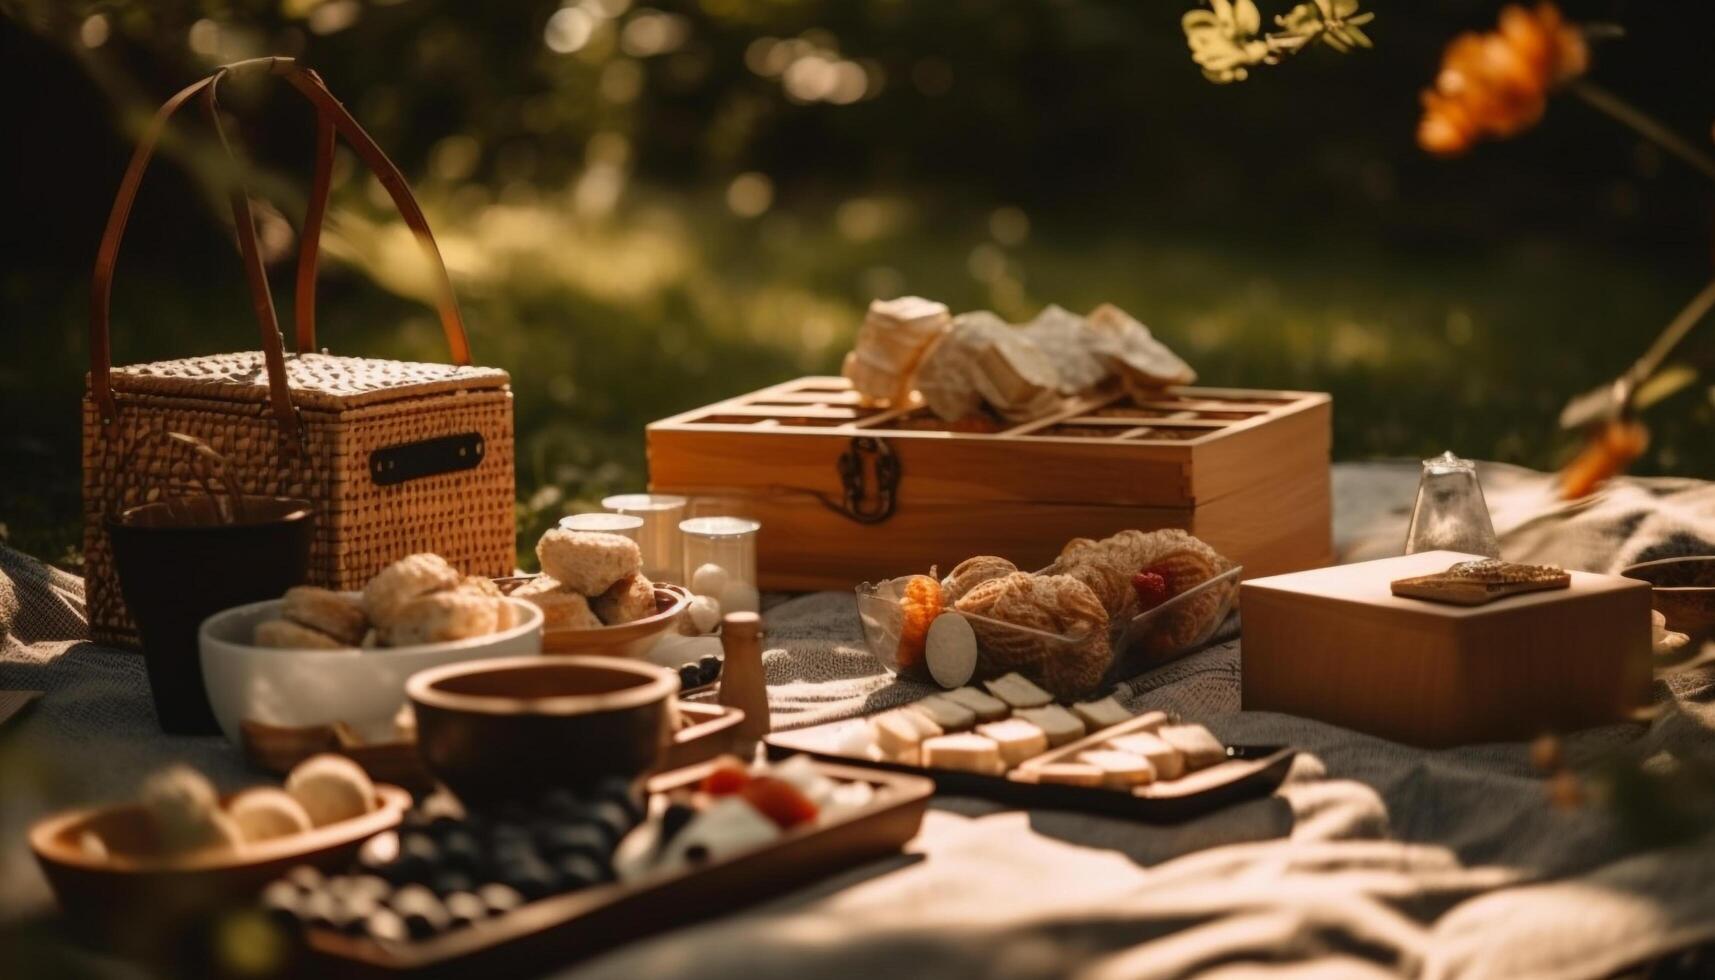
(1147, 640)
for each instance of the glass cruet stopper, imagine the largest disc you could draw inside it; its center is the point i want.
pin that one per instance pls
(1450, 513)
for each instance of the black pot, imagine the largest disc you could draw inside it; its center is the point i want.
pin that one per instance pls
(178, 564)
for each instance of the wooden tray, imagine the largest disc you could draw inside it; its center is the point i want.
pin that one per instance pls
(1250, 771)
(709, 731)
(560, 930)
(848, 493)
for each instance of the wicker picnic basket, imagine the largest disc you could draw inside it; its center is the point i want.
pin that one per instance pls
(396, 457)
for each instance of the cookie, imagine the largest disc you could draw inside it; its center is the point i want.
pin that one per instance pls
(972, 572)
(1190, 620)
(265, 813)
(326, 611)
(562, 609)
(587, 562)
(331, 788)
(441, 617)
(404, 580)
(283, 634)
(998, 606)
(628, 600)
(1074, 668)
(1056, 605)
(1110, 580)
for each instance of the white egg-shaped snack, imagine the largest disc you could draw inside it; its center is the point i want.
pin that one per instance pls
(702, 615)
(185, 811)
(265, 813)
(331, 788)
(709, 579)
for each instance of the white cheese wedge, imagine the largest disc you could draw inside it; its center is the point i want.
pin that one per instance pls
(967, 752)
(1017, 691)
(900, 732)
(1199, 745)
(1101, 714)
(1168, 761)
(1018, 739)
(1061, 726)
(987, 706)
(1120, 770)
(1069, 774)
(948, 715)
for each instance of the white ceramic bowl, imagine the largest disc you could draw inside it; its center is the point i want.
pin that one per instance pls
(300, 688)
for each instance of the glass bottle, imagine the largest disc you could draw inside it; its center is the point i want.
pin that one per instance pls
(658, 538)
(720, 561)
(1450, 513)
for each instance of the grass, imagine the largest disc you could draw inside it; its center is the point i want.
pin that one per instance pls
(607, 321)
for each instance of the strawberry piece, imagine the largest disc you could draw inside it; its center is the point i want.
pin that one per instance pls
(1151, 589)
(779, 801)
(729, 776)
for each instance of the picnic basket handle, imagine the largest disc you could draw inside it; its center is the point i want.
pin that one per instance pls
(331, 118)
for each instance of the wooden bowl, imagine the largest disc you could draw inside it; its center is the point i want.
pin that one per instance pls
(513, 729)
(129, 890)
(1683, 590)
(630, 640)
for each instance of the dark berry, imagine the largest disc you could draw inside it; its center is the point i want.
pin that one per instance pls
(613, 819)
(449, 881)
(620, 790)
(460, 849)
(689, 677)
(440, 811)
(500, 898)
(579, 871)
(709, 668)
(575, 838)
(465, 908)
(423, 913)
(320, 909)
(306, 878)
(529, 876)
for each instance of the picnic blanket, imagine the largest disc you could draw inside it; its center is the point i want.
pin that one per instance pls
(1372, 860)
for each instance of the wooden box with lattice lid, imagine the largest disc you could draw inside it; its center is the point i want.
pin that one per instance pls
(848, 493)
(395, 457)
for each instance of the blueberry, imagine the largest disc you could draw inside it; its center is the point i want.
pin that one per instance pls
(423, 913)
(419, 856)
(439, 811)
(449, 881)
(360, 886)
(613, 819)
(530, 876)
(384, 925)
(465, 908)
(319, 908)
(579, 871)
(689, 677)
(461, 850)
(306, 878)
(709, 668)
(500, 898)
(505, 831)
(619, 790)
(575, 838)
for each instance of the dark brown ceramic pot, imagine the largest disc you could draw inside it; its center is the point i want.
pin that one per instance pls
(1683, 590)
(180, 563)
(513, 729)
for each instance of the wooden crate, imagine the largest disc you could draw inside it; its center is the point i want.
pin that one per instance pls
(1335, 644)
(1246, 471)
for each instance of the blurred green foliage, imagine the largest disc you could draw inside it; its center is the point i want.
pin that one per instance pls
(647, 208)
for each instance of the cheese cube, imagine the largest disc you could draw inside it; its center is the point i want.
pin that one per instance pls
(965, 752)
(987, 706)
(900, 732)
(1018, 739)
(1120, 770)
(1101, 714)
(950, 716)
(1060, 725)
(1168, 761)
(1069, 774)
(1017, 691)
(1199, 745)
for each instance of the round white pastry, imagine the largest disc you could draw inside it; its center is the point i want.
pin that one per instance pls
(326, 611)
(702, 615)
(404, 580)
(442, 617)
(331, 788)
(709, 579)
(588, 562)
(182, 805)
(265, 813)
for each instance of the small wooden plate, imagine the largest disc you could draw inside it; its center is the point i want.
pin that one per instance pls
(103, 892)
(706, 731)
(629, 640)
(1250, 771)
(558, 931)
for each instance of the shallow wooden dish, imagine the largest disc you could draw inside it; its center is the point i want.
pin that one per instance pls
(1250, 771)
(1683, 590)
(106, 894)
(630, 640)
(555, 932)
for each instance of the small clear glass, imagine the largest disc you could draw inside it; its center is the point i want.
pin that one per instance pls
(627, 524)
(720, 559)
(659, 536)
(1450, 513)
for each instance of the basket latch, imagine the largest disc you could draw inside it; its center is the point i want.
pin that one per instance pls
(869, 477)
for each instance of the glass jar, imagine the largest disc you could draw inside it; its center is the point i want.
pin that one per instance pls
(658, 537)
(624, 524)
(720, 561)
(1450, 513)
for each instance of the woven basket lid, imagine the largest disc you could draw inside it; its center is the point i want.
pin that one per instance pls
(317, 381)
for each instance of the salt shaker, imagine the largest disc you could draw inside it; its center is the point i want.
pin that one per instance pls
(742, 682)
(1450, 513)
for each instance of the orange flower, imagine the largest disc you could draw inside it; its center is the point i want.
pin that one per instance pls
(1613, 446)
(1497, 84)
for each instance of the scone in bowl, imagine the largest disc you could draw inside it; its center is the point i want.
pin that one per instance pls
(123, 891)
(1147, 640)
(514, 729)
(302, 688)
(631, 640)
